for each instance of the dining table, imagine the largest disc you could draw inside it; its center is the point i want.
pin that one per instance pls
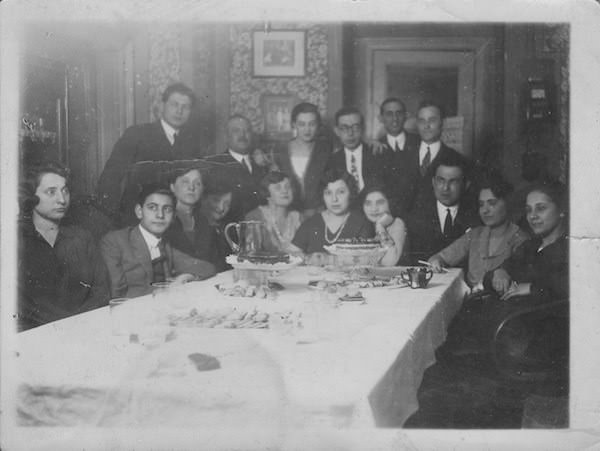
(310, 360)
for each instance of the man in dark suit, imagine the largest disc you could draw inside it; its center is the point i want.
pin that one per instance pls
(401, 172)
(243, 172)
(138, 256)
(429, 124)
(357, 158)
(445, 217)
(166, 139)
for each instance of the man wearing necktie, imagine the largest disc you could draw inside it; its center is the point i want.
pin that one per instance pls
(242, 170)
(447, 215)
(429, 124)
(401, 149)
(167, 139)
(138, 256)
(357, 157)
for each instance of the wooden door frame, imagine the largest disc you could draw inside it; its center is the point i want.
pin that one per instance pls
(482, 54)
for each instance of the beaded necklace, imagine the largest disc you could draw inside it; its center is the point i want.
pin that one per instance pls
(338, 233)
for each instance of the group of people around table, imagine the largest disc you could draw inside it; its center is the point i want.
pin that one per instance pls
(414, 193)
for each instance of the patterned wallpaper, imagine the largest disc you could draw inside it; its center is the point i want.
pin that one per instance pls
(558, 41)
(164, 64)
(246, 91)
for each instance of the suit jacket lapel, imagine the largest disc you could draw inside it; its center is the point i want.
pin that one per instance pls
(161, 136)
(140, 251)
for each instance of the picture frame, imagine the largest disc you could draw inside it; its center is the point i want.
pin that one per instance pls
(277, 109)
(279, 53)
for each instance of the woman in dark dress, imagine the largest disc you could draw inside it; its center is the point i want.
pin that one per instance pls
(201, 206)
(536, 274)
(338, 220)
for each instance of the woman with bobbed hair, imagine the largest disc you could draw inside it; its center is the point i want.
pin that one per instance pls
(391, 231)
(538, 270)
(280, 221)
(486, 247)
(338, 220)
(304, 158)
(185, 232)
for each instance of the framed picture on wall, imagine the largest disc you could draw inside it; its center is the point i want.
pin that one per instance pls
(277, 110)
(280, 53)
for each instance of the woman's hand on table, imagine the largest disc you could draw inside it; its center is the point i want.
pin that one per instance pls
(183, 278)
(501, 281)
(516, 289)
(436, 264)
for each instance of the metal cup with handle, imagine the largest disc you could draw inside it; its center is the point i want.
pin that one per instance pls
(250, 237)
(417, 276)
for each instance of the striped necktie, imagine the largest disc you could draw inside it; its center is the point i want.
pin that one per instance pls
(426, 161)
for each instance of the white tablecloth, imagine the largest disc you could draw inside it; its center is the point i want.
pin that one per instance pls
(361, 365)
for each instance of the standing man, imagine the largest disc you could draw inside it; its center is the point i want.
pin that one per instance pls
(447, 215)
(166, 139)
(61, 272)
(401, 149)
(357, 158)
(242, 170)
(429, 124)
(138, 256)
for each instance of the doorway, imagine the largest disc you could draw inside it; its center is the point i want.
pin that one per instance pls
(455, 72)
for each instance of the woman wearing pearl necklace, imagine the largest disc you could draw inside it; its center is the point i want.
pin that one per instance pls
(337, 221)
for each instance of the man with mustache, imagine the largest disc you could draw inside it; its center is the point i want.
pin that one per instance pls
(61, 272)
(242, 170)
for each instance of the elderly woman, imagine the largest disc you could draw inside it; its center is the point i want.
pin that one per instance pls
(391, 231)
(337, 221)
(486, 247)
(305, 157)
(281, 222)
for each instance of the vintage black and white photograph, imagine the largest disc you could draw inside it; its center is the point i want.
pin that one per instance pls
(292, 233)
(279, 53)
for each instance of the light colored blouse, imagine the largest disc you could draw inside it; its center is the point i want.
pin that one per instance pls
(475, 244)
(397, 232)
(280, 238)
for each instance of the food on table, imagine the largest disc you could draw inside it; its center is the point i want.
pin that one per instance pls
(223, 318)
(345, 286)
(358, 242)
(204, 362)
(264, 257)
(245, 290)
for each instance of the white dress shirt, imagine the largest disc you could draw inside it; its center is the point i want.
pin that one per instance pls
(442, 212)
(434, 148)
(169, 131)
(242, 159)
(357, 162)
(152, 241)
(400, 140)
(299, 164)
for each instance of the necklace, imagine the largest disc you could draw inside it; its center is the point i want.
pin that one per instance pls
(288, 232)
(338, 233)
